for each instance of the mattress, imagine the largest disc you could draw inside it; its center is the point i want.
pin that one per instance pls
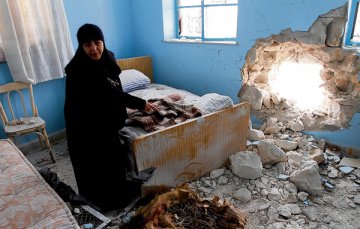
(26, 200)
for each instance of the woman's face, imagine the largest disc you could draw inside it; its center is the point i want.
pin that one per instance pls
(94, 49)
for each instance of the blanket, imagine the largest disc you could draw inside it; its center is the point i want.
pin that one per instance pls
(171, 111)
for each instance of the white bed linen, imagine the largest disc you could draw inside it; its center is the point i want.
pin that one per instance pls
(158, 91)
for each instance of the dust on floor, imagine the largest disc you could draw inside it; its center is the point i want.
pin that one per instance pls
(62, 167)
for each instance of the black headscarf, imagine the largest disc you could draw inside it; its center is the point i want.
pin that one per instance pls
(82, 62)
(89, 32)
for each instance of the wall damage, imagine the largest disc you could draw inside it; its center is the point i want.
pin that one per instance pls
(320, 45)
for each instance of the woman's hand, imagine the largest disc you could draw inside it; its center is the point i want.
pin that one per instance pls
(149, 107)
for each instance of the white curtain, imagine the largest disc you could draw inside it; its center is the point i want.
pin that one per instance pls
(2, 56)
(36, 39)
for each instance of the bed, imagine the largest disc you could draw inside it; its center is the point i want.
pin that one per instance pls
(185, 151)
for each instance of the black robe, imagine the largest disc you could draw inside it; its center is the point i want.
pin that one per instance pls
(95, 111)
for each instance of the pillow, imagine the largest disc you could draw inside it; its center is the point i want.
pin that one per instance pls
(133, 79)
(212, 102)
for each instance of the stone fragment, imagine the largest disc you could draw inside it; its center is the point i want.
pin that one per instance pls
(296, 125)
(255, 135)
(246, 164)
(243, 195)
(289, 209)
(223, 180)
(283, 177)
(307, 178)
(270, 153)
(286, 145)
(274, 194)
(346, 169)
(217, 173)
(352, 162)
(357, 199)
(317, 155)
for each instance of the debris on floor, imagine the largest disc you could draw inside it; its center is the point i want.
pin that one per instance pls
(273, 192)
(89, 218)
(181, 208)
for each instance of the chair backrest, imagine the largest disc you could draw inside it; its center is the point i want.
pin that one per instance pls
(12, 88)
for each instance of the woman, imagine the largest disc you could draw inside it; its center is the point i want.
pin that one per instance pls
(95, 110)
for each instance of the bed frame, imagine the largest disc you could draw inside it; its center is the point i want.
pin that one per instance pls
(189, 150)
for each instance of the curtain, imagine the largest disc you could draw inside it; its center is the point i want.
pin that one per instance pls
(2, 56)
(36, 39)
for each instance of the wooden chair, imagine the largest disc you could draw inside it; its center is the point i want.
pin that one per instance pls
(22, 123)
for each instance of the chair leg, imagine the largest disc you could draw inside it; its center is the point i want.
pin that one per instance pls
(47, 142)
(41, 140)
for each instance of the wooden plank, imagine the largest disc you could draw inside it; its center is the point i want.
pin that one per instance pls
(191, 149)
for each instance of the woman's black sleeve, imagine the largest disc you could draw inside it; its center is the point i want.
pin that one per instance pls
(133, 101)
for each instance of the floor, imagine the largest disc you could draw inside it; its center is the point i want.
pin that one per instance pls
(62, 167)
(41, 158)
(338, 208)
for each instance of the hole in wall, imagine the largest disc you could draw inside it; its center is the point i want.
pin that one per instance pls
(305, 76)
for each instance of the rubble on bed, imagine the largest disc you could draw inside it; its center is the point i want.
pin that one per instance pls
(170, 112)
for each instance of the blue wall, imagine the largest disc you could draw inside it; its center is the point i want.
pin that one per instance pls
(202, 68)
(134, 28)
(112, 16)
(216, 68)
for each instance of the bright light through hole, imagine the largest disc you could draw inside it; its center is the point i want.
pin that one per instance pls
(298, 82)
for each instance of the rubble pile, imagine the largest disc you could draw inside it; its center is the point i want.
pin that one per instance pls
(288, 180)
(284, 179)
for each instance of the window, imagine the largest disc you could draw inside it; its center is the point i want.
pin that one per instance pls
(206, 20)
(352, 36)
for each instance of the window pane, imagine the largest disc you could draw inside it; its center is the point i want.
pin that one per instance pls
(212, 2)
(189, 2)
(356, 33)
(190, 22)
(220, 22)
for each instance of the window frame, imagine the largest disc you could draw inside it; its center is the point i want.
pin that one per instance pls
(202, 38)
(353, 14)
